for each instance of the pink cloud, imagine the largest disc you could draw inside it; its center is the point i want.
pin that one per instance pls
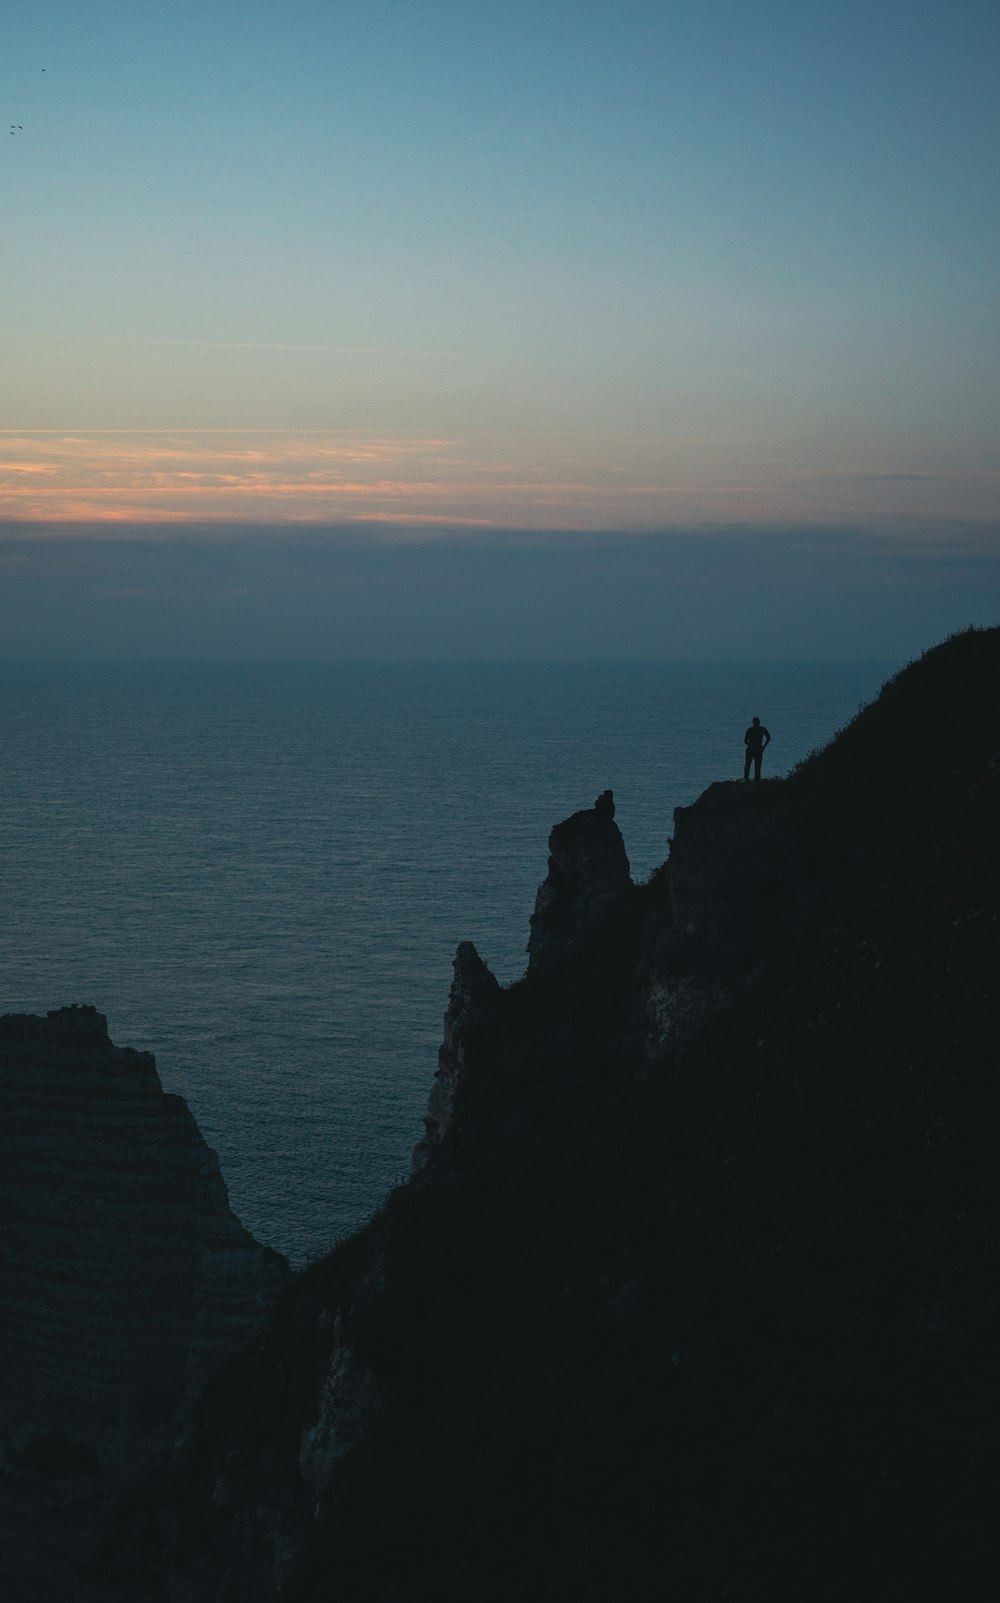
(507, 481)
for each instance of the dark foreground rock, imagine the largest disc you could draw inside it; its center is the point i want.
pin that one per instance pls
(694, 1294)
(587, 871)
(125, 1281)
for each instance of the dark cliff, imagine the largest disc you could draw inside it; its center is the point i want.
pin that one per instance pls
(125, 1281)
(587, 872)
(694, 1290)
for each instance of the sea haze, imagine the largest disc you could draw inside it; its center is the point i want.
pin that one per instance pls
(260, 873)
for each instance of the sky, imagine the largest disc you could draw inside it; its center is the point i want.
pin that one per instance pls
(451, 327)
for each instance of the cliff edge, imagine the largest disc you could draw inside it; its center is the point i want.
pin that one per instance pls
(693, 1291)
(125, 1281)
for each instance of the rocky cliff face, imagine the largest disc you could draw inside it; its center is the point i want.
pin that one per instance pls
(587, 871)
(471, 1016)
(693, 1292)
(125, 1280)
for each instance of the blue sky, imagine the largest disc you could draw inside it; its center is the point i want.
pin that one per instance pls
(433, 266)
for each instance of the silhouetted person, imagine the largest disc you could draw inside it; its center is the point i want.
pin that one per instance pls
(755, 739)
(604, 806)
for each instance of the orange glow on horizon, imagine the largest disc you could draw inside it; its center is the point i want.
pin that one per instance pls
(101, 478)
(514, 482)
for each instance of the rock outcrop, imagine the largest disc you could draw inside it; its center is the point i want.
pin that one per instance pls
(737, 873)
(587, 871)
(125, 1281)
(733, 860)
(471, 1015)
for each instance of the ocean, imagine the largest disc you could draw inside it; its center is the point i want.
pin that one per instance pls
(260, 872)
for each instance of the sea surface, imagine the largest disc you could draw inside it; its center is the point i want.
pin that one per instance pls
(260, 873)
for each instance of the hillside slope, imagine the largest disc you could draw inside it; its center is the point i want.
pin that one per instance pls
(694, 1290)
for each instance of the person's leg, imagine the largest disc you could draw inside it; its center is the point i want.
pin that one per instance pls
(746, 765)
(756, 764)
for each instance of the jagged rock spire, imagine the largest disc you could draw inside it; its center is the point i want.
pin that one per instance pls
(471, 1008)
(588, 868)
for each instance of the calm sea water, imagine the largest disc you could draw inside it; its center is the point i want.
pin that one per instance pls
(260, 873)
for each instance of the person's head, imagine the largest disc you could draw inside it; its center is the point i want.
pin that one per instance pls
(756, 720)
